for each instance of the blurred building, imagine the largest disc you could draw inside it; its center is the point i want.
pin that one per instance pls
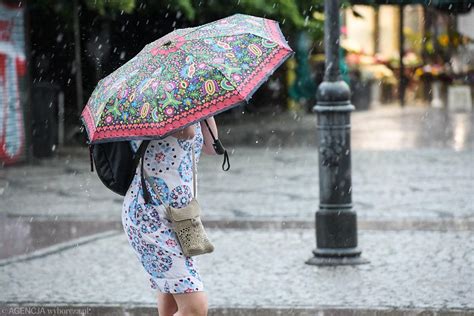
(437, 47)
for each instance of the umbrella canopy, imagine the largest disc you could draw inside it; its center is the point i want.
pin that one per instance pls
(183, 77)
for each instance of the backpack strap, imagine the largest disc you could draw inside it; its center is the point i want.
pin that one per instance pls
(140, 155)
(140, 152)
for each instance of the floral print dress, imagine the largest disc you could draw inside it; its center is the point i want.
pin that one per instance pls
(168, 162)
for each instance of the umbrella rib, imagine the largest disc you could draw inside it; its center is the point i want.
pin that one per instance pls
(196, 28)
(225, 35)
(210, 65)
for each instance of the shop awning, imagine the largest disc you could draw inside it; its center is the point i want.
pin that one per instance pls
(460, 6)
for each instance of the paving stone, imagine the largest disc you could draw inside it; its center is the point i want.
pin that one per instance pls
(263, 269)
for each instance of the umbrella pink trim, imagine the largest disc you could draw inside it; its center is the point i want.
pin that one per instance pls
(277, 34)
(201, 111)
(114, 132)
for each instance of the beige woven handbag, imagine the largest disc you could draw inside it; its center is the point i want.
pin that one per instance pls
(186, 223)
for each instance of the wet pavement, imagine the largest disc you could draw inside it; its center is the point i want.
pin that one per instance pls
(384, 128)
(20, 236)
(408, 270)
(413, 186)
(426, 189)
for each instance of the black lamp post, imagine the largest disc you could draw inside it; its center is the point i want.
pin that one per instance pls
(336, 223)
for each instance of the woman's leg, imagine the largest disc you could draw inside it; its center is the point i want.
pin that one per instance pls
(191, 304)
(166, 304)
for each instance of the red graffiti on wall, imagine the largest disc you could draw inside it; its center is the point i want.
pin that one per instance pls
(12, 70)
(12, 134)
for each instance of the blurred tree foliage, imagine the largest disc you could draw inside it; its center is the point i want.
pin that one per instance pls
(293, 15)
(105, 7)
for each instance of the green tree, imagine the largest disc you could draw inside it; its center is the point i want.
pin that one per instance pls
(105, 7)
(293, 15)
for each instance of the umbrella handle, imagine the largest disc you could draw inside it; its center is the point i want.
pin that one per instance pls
(219, 149)
(226, 162)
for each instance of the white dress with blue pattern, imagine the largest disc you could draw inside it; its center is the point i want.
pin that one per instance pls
(169, 162)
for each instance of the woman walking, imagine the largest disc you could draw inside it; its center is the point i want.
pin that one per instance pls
(168, 166)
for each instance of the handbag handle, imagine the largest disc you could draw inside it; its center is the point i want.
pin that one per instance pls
(194, 171)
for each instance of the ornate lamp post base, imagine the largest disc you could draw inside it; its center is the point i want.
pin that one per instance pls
(335, 261)
(336, 238)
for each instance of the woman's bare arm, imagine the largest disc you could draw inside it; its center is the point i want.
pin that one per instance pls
(187, 133)
(208, 141)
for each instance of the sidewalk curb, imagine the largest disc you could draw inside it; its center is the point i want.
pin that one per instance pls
(130, 310)
(421, 224)
(58, 247)
(362, 224)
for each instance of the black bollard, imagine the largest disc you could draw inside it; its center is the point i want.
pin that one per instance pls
(336, 222)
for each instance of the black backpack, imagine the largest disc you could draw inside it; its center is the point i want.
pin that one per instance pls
(116, 163)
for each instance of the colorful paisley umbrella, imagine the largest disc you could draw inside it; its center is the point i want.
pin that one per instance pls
(184, 77)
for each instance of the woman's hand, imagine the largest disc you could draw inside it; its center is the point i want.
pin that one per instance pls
(207, 147)
(187, 133)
